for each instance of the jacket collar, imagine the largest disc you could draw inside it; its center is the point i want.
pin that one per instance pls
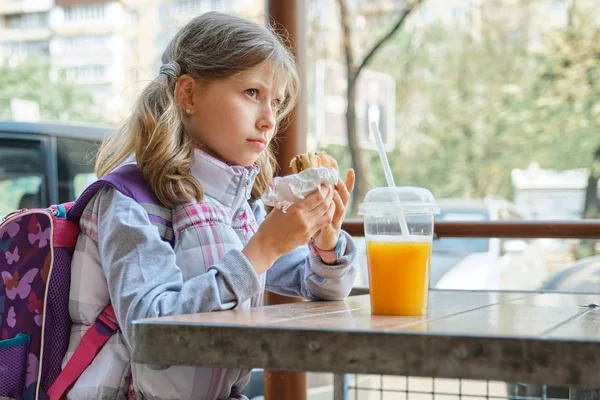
(231, 185)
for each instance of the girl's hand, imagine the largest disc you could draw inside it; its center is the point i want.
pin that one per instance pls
(327, 238)
(281, 232)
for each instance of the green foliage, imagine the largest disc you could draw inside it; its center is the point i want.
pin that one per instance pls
(58, 100)
(473, 103)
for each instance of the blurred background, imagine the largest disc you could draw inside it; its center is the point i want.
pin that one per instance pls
(492, 105)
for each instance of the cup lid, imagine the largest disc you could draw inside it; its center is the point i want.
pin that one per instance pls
(406, 198)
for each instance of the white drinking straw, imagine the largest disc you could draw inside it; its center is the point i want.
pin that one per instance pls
(388, 175)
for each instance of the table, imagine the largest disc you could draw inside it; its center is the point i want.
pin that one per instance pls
(505, 336)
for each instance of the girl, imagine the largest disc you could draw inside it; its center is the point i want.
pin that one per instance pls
(200, 135)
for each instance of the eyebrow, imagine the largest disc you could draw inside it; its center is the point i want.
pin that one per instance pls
(262, 86)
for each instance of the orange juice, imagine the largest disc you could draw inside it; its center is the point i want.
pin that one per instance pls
(398, 276)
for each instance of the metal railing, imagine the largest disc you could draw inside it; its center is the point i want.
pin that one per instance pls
(352, 387)
(584, 229)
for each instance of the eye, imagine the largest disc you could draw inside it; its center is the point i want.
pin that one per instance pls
(252, 93)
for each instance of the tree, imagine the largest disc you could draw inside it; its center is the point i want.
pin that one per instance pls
(58, 100)
(353, 70)
(569, 87)
(462, 96)
(482, 94)
(591, 208)
(475, 102)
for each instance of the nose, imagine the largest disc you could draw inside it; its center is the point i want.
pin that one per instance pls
(266, 120)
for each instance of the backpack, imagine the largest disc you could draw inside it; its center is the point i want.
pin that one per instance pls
(36, 246)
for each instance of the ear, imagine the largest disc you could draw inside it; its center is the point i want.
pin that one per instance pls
(184, 93)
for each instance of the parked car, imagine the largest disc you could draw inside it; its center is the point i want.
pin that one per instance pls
(45, 163)
(485, 263)
(583, 276)
(478, 263)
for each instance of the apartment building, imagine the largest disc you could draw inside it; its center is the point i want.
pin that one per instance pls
(92, 45)
(25, 28)
(112, 48)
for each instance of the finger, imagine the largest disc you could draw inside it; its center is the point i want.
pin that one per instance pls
(324, 206)
(313, 200)
(342, 190)
(350, 180)
(331, 210)
(329, 192)
(326, 218)
(340, 210)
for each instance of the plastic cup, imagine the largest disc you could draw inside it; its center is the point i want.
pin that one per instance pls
(398, 263)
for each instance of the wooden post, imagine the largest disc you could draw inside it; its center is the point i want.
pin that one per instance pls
(289, 15)
(284, 385)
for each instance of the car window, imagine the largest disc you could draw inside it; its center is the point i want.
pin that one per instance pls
(75, 167)
(22, 178)
(461, 217)
(460, 246)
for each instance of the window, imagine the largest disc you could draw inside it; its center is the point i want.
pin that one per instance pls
(471, 100)
(185, 6)
(195, 6)
(85, 12)
(467, 95)
(22, 177)
(87, 71)
(29, 48)
(89, 43)
(446, 247)
(75, 167)
(27, 21)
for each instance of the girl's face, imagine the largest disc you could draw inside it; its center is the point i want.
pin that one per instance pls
(234, 119)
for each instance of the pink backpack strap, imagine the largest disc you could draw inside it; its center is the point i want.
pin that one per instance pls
(92, 341)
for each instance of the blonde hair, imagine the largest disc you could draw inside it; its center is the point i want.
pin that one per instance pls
(210, 47)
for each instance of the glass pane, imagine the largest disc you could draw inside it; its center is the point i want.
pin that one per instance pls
(75, 167)
(22, 179)
(493, 106)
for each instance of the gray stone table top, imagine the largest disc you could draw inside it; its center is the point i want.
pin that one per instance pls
(505, 336)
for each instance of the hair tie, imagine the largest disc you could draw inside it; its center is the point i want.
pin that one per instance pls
(171, 69)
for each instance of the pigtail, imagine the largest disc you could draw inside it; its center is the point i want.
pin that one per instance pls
(164, 153)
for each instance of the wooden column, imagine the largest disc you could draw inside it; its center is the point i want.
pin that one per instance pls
(289, 15)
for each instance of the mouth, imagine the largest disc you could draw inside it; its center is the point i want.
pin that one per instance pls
(259, 143)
